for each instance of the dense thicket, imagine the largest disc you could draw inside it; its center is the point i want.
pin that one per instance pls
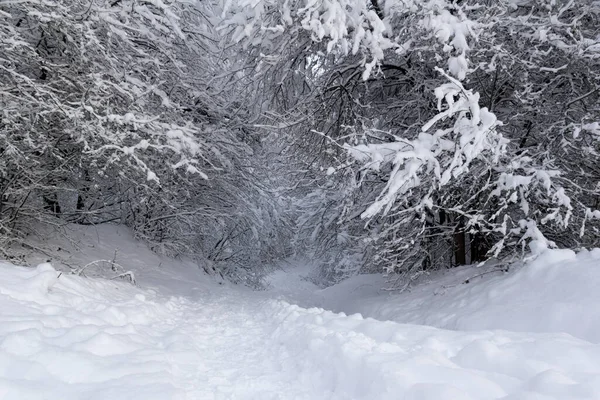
(410, 134)
(457, 130)
(131, 111)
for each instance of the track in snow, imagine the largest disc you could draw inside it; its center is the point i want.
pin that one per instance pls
(72, 338)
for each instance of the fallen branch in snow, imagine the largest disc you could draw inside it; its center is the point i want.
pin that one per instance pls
(129, 274)
(114, 266)
(502, 268)
(496, 268)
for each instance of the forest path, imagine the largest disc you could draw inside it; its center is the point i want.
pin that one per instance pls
(73, 338)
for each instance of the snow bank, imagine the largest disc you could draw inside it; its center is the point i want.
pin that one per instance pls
(65, 337)
(557, 292)
(348, 357)
(97, 246)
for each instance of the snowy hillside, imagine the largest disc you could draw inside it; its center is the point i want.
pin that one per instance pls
(68, 337)
(557, 292)
(94, 251)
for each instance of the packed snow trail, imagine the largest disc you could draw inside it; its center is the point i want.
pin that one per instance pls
(65, 337)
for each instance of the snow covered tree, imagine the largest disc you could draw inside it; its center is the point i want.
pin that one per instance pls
(131, 112)
(437, 102)
(414, 134)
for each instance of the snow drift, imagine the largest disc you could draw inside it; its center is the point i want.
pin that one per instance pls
(66, 337)
(556, 292)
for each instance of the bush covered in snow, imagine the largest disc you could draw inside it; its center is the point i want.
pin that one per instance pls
(399, 135)
(457, 130)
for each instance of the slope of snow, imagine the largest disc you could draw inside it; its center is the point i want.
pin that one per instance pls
(73, 247)
(66, 337)
(557, 292)
(184, 335)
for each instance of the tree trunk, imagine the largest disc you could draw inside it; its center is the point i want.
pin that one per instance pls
(460, 248)
(479, 247)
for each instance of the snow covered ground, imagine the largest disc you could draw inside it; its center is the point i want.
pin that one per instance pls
(557, 292)
(67, 337)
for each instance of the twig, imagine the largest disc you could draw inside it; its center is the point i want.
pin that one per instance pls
(582, 97)
(128, 274)
(503, 269)
(97, 262)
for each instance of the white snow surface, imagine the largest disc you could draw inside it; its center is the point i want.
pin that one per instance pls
(68, 337)
(555, 293)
